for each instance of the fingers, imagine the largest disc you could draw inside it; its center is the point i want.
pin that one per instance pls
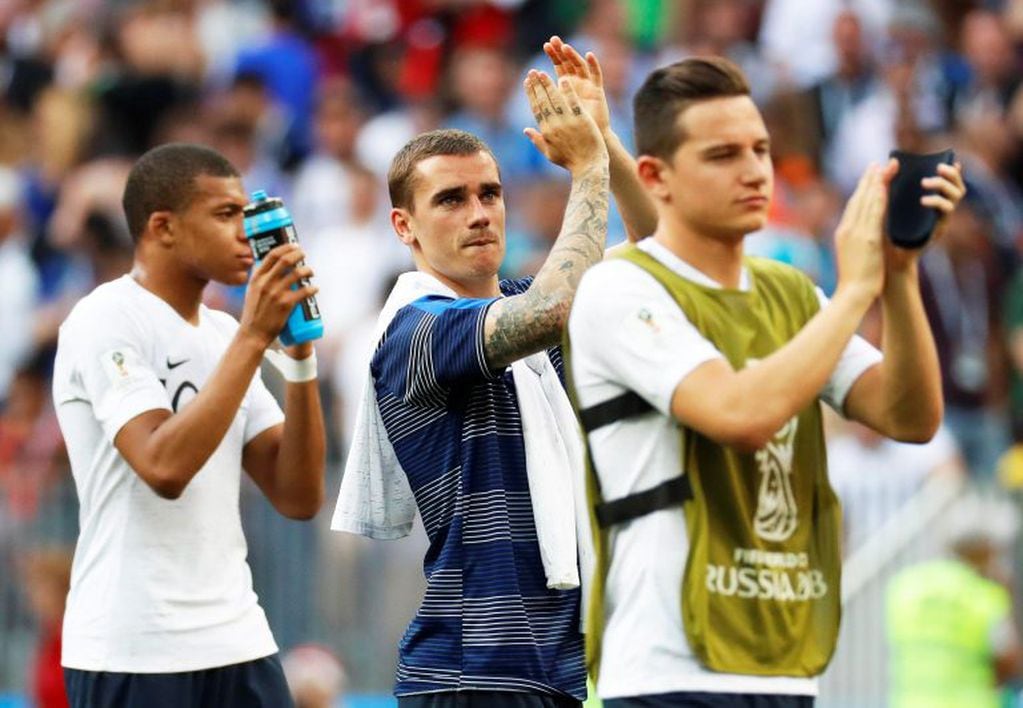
(271, 258)
(549, 103)
(282, 268)
(574, 60)
(596, 73)
(948, 186)
(279, 261)
(568, 62)
(875, 196)
(554, 54)
(293, 297)
(854, 206)
(954, 173)
(565, 132)
(570, 97)
(533, 96)
(554, 96)
(280, 283)
(945, 206)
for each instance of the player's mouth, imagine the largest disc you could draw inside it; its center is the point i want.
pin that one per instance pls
(480, 241)
(755, 201)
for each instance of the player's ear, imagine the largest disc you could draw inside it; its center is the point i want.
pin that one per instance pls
(162, 226)
(651, 172)
(401, 220)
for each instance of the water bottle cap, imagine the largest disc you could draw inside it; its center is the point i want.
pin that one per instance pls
(259, 195)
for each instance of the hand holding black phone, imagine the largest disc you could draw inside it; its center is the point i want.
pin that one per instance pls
(909, 223)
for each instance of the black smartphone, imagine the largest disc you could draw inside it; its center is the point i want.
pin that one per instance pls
(910, 224)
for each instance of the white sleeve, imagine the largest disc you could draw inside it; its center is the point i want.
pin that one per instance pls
(117, 379)
(263, 411)
(859, 355)
(627, 330)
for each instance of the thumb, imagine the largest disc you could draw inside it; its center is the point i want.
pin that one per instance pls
(536, 138)
(889, 171)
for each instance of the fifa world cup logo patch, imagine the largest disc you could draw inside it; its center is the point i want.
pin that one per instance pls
(118, 359)
(777, 517)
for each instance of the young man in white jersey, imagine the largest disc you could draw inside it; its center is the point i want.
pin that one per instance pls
(161, 404)
(697, 373)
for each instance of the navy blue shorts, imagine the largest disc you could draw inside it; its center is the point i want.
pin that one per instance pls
(253, 684)
(697, 699)
(486, 699)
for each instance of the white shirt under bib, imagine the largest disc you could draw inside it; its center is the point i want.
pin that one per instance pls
(157, 585)
(628, 333)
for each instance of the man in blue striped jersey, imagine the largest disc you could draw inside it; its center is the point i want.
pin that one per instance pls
(448, 404)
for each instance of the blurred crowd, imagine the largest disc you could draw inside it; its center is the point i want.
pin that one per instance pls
(310, 99)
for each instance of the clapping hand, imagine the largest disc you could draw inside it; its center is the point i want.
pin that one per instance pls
(565, 133)
(585, 77)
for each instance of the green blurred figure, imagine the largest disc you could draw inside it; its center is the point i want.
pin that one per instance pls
(950, 626)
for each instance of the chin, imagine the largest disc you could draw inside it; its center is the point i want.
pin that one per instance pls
(235, 278)
(486, 265)
(753, 222)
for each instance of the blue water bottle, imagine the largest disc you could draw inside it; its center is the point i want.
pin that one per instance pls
(268, 225)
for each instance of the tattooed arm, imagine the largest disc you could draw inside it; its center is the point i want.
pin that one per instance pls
(523, 324)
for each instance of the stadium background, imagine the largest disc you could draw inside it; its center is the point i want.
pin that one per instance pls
(311, 99)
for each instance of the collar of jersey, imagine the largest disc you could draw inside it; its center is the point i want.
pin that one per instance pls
(687, 271)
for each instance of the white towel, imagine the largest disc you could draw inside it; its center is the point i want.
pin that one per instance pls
(375, 499)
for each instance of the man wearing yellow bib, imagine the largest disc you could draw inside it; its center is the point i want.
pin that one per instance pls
(697, 373)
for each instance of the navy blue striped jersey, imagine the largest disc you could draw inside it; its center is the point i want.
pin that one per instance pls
(487, 621)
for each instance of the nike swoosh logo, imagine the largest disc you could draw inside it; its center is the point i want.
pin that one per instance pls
(176, 364)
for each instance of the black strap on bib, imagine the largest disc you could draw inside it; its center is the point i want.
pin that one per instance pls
(673, 492)
(624, 406)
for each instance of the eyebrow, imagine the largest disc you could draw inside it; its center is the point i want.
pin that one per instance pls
(461, 190)
(449, 192)
(725, 147)
(227, 204)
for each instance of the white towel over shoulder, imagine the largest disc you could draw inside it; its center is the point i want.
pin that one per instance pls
(375, 499)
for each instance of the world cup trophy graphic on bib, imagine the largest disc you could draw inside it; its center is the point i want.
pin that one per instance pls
(776, 517)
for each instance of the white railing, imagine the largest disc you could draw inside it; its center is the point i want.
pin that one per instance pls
(858, 674)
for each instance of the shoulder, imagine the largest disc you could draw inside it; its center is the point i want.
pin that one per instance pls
(106, 318)
(616, 295)
(430, 306)
(108, 306)
(614, 278)
(420, 317)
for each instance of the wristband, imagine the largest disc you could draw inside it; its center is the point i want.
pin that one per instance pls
(293, 370)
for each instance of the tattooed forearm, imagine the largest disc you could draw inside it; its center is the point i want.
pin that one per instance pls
(521, 325)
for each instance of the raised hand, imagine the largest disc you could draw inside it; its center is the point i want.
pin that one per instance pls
(859, 238)
(565, 133)
(949, 189)
(585, 77)
(269, 298)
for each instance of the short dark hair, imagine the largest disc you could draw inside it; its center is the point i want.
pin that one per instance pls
(163, 179)
(670, 90)
(401, 175)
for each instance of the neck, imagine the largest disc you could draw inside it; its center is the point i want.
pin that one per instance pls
(486, 287)
(179, 290)
(720, 259)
